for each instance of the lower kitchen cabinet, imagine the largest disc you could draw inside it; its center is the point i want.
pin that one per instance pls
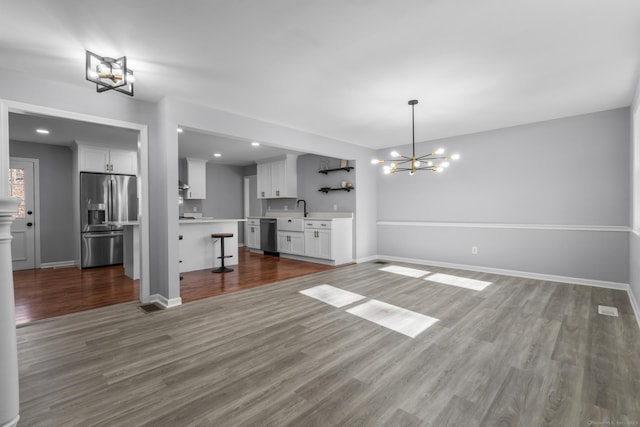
(317, 243)
(253, 234)
(329, 239)
(291, 242)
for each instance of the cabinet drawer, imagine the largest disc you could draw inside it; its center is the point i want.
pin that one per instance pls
(317, 224)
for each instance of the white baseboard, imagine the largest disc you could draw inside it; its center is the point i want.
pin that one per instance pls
(12, 423)
(634, 305)
(515, 273)
(367, 259)
(58, 264)
(164, 302)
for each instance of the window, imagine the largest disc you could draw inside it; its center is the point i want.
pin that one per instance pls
(16, 188)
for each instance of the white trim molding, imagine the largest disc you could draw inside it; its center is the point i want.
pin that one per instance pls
(8, 106)
(514, 273)
(367, 259)
(58, 264)
(634, 305)
(568, 227)
(164, 302)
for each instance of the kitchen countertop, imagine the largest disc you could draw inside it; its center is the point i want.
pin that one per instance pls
(181, 221)
(207, 220)
(312, 215)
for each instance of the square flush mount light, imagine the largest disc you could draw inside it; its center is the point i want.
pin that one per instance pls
(109, 73)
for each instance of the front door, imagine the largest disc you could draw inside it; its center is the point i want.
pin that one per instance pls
(22, 186)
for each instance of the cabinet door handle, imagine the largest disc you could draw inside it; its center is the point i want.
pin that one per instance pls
(277, 192)
(106, 167)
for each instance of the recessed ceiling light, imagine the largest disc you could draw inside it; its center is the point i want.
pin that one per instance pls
(43, 131)
(217, 155)
(255, 144)
(179, 130)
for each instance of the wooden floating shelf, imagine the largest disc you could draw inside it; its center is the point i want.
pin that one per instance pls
(346, 168)
(325, 190)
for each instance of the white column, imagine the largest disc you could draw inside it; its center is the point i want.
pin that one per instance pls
(9, 397)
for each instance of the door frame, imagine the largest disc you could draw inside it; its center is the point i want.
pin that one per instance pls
(8, 106)
(36, 203)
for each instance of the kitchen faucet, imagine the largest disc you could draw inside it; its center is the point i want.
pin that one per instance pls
(306, 214)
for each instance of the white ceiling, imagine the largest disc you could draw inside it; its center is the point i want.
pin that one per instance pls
(346, 69)
(233, 151)
(22, 127)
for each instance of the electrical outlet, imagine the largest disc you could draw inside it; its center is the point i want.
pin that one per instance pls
(195, 209)
(335, 208)
(286, 207)
(474, 250)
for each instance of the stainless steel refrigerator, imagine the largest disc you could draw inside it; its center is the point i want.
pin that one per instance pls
(105, 198)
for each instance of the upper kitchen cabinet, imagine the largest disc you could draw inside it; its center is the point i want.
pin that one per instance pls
(278, 178)
(100, 159)
(196, 178)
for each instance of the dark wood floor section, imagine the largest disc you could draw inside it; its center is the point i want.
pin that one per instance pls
(252, 270)
(520, 352)
(44, 293)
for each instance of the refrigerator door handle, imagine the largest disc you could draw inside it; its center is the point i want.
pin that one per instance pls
(112, 184)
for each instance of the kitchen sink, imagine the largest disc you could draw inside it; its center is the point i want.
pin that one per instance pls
(290, 224)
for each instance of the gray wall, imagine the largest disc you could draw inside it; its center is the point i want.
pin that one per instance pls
(566, 174)
(225, 189)
(57, 232)
(225, 185)
(634, 239)
(634, 269)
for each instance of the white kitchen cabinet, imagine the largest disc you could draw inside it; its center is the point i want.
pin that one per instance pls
(264, 180)
(197, 179)
(317, 243)
(278, 178)
(329, 239)
(100, 159)
(253, 233)
(291, 242)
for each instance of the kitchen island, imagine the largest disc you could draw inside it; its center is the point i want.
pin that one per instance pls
(197, 250)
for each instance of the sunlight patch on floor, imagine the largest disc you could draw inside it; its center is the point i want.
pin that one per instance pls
(462, 282)
(397, 319)
(405, 271)
(331, 295)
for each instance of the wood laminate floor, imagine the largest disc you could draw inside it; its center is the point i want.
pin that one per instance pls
(46, 293)
(518, 352)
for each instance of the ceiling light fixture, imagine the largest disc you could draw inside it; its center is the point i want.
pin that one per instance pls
(109, 73)
(255, 144)
(43, 131)
(217, 155)
(180, 130)
(434, 162)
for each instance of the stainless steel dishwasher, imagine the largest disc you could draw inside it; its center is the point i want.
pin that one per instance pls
(268, 235)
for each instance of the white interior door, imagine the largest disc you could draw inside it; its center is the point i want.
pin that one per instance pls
(22, 186)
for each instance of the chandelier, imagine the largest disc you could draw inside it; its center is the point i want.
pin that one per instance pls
(109, 73)
(435, 162)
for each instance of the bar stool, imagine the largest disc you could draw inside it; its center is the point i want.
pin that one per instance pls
(222, 268)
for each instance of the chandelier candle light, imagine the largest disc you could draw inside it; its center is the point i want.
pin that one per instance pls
(435, 162)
